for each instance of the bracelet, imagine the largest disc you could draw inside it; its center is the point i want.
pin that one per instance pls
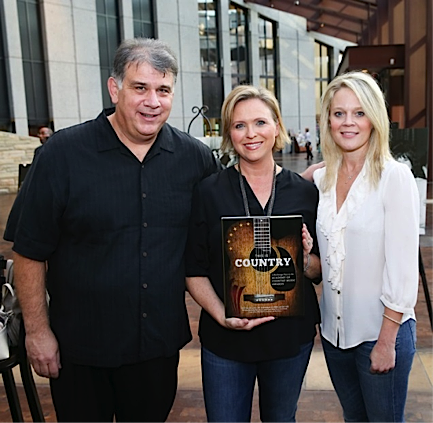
(308, 263)
(392, 320)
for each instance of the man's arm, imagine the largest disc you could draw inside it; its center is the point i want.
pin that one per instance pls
(41, 344)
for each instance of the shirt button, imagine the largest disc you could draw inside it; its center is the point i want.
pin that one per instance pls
(144, 315)
(338, 317)
(338, 292)
(143, 195)
(145, 285)
(142, 166)
(145, 224)
(144, 254)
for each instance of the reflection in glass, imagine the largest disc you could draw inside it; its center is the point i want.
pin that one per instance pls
(239, 63)
(5, 113)
(33, 64)
(322, 66)
(208, 33)
(109, 40)
(142, 15)
(267, 41)
(212, 82)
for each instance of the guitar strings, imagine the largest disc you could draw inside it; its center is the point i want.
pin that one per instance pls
(261, 220)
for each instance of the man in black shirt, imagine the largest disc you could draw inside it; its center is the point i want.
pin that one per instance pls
(106, 206)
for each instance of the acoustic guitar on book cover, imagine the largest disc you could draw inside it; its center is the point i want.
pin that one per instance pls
(263, 266)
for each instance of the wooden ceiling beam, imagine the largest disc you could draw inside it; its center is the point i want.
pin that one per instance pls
(321, 14)
(321, 25)
(330, 12)
(359, 3)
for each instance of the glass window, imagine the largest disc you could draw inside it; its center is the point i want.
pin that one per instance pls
(142, 13)
(239, 60)
(33, 64)
(108, 39)
(5, 113)
(208, 32)
(267, 42)
(212, 82)
(322, 68)
(318, 91)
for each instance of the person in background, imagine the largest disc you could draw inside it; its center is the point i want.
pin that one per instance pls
(367, 229)
(318, 138)
(291, 140)
(237, 351)
(44, 133)
(308, 145)
(107, 205)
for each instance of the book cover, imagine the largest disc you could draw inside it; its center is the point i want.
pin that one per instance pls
(263, 266)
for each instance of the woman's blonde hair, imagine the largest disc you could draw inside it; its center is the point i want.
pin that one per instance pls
(248, 92)
(372, 101)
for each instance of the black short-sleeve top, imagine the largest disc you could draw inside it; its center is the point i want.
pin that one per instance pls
(220, 195)
(113, 230)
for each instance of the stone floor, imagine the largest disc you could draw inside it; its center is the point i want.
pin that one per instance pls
(318, 401)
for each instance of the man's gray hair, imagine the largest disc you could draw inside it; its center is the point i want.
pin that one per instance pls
(156, 53)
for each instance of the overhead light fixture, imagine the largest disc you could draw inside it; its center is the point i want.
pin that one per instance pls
(322, 25)
(296, 3)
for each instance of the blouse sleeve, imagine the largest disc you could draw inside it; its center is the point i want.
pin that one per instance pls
(401, 203)
(318, 175)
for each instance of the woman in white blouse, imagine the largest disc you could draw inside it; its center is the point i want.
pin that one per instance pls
(367, 229)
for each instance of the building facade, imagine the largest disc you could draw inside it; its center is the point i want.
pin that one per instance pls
(56, 55)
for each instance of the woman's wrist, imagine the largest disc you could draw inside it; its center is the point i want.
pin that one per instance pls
(307, 262)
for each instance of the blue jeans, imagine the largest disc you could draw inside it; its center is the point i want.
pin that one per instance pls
(367, 397)
(228, 387)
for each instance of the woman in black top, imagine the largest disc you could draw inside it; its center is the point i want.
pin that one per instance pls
(237, 351)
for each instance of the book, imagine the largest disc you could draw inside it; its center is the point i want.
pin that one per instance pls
(263, 266)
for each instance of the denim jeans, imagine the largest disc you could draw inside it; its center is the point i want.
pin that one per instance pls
(228, 387)
(368, 397)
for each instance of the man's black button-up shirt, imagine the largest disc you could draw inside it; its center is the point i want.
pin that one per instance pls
(113, 230)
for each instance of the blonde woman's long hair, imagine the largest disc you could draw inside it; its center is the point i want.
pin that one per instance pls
(248, 92)
(372, 101)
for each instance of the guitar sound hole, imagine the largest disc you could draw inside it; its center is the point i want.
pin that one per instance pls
(280, 267)
(263, 260)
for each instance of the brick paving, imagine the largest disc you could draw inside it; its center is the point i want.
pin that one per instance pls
(314, 405)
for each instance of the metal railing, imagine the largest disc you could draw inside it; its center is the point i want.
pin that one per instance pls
(200, 111)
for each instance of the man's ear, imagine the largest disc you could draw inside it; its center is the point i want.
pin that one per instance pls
(113, 90)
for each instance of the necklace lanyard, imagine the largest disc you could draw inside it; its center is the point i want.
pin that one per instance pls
(244, 193)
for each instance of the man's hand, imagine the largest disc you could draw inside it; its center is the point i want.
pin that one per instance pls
(43, 352)
(308, 173)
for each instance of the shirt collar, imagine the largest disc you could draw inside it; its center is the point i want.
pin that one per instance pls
(109, 139)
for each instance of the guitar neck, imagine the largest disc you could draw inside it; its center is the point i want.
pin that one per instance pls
(262, 236)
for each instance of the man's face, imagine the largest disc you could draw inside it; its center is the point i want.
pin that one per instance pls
(44, 134)
(143, 103)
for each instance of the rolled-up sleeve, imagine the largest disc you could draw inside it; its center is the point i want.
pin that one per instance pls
(402, 208)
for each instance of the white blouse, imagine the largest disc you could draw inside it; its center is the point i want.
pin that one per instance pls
(369, 254)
